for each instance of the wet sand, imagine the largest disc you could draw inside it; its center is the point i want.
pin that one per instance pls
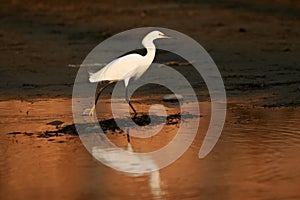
(254, 44)
(255, 158)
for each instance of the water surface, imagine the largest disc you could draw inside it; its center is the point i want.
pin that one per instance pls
(257, 157)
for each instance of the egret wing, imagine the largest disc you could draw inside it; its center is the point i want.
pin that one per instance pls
(118, 69)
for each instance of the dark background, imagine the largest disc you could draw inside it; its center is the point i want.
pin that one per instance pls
(255, 44)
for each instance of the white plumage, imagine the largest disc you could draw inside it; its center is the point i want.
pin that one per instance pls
(127, 67)
(122, 68)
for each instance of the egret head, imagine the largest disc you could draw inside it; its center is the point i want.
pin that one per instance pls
(158, 34)
(150, 37)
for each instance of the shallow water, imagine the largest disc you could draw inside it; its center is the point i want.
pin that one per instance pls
(257, 157)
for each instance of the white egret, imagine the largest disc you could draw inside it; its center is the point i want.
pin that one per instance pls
(127, 67)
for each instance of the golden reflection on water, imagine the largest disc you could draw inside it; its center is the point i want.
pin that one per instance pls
(257, 157)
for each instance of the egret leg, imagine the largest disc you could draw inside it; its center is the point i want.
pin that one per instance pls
(128, 101)
(128, 138)
(100, 90)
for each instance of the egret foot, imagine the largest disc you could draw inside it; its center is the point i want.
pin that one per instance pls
(86, 112)
(93, 109)
(134, 115)
(89, 111)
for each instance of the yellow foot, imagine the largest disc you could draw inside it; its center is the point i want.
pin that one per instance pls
(89, 111)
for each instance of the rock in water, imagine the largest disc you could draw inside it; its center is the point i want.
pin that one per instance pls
(55, 123)
(172, 97)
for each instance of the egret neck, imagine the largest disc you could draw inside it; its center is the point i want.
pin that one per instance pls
(148, 58)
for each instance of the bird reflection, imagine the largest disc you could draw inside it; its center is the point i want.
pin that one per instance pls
(133, 164)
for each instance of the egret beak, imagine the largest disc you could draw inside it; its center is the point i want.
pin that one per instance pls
(164, 36)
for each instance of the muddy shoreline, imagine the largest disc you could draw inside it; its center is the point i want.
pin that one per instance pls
(255, 46)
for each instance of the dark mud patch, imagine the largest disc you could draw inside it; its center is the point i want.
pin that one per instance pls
(110, 125)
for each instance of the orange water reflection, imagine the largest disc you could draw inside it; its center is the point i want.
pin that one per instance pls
(257, 157)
